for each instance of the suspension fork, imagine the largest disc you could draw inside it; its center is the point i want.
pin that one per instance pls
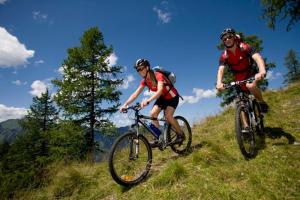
(243, 103)
(134, 141)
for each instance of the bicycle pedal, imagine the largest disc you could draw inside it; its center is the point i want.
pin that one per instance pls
(160, 147)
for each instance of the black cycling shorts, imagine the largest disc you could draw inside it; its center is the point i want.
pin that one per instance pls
(164, 103)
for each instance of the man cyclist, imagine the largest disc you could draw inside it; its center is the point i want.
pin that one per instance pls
(239, 56)
(166, 96)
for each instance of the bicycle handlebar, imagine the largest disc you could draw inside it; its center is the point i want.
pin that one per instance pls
(235, 83)
(135, 107)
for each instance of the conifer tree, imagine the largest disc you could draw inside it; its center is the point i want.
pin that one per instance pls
(24, 162)
(281, 9)
(88, 91)
(292, 63)
(42, 117)
(42, 113)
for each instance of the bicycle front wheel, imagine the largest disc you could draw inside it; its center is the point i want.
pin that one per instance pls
(186, 130)
(245, 138)
(259, 128)
(130, 159)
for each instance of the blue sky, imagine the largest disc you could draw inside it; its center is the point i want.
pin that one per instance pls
(180, 36)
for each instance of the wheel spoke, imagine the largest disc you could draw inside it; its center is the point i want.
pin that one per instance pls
(245, 137)
(130, 159)
(185, 128)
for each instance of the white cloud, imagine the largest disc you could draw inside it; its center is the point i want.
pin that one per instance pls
(3, 1)
(272, 76)
(12, 52)
(19, 83)
(11, 112)
(127, 80)
(122, 119)
(39, 87)
(112, 60)
(199, 94)
(37, 15)
(38, 62)
(124, 69)
(60, 70)
(163, 15)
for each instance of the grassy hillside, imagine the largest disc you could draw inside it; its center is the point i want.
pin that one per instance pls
(215, 169)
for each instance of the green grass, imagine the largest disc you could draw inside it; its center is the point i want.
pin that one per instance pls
(215, 169)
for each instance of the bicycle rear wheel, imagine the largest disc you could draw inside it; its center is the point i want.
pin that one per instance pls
(186, 129)
(130, 159)
(246, 140)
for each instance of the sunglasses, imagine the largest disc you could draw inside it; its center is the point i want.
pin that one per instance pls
(139, 69)
(228, 37)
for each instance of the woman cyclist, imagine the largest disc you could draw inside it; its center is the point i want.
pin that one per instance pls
(165, 95)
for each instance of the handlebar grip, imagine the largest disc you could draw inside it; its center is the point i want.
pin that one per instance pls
(226, 86)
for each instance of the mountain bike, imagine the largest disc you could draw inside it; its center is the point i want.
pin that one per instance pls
(130, 157)
(248, 112)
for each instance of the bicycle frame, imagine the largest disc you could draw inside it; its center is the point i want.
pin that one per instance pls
(140, 122)
(245, 98)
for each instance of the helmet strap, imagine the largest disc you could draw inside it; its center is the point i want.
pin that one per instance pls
(146, 74)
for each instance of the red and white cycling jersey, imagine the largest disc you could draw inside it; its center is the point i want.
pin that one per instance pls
(240, 62)
(169, 91)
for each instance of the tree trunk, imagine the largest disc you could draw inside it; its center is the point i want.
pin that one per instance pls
(92, 123)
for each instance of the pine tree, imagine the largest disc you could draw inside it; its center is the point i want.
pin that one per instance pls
(88, 91)
(229, 95)
(42, 113)
(292, 63)
(4, 148)
(42, 117)
(282, 9)
(24, 163)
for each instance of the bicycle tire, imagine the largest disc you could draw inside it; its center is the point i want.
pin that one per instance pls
(120, 171)
(245, 141)
(259, 128)
(186, 129)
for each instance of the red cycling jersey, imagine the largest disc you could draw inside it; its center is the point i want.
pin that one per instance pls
(239, 62)
(169, 92)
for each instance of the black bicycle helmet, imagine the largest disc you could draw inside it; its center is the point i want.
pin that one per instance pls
(227, 31)
(141, 62)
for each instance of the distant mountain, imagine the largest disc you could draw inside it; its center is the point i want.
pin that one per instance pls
(10, 129)
(106, 142)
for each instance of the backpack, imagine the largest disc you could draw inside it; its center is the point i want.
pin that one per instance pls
(170, 76)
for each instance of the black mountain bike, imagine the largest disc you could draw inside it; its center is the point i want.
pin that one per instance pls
(130, 157)
(248, 113)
